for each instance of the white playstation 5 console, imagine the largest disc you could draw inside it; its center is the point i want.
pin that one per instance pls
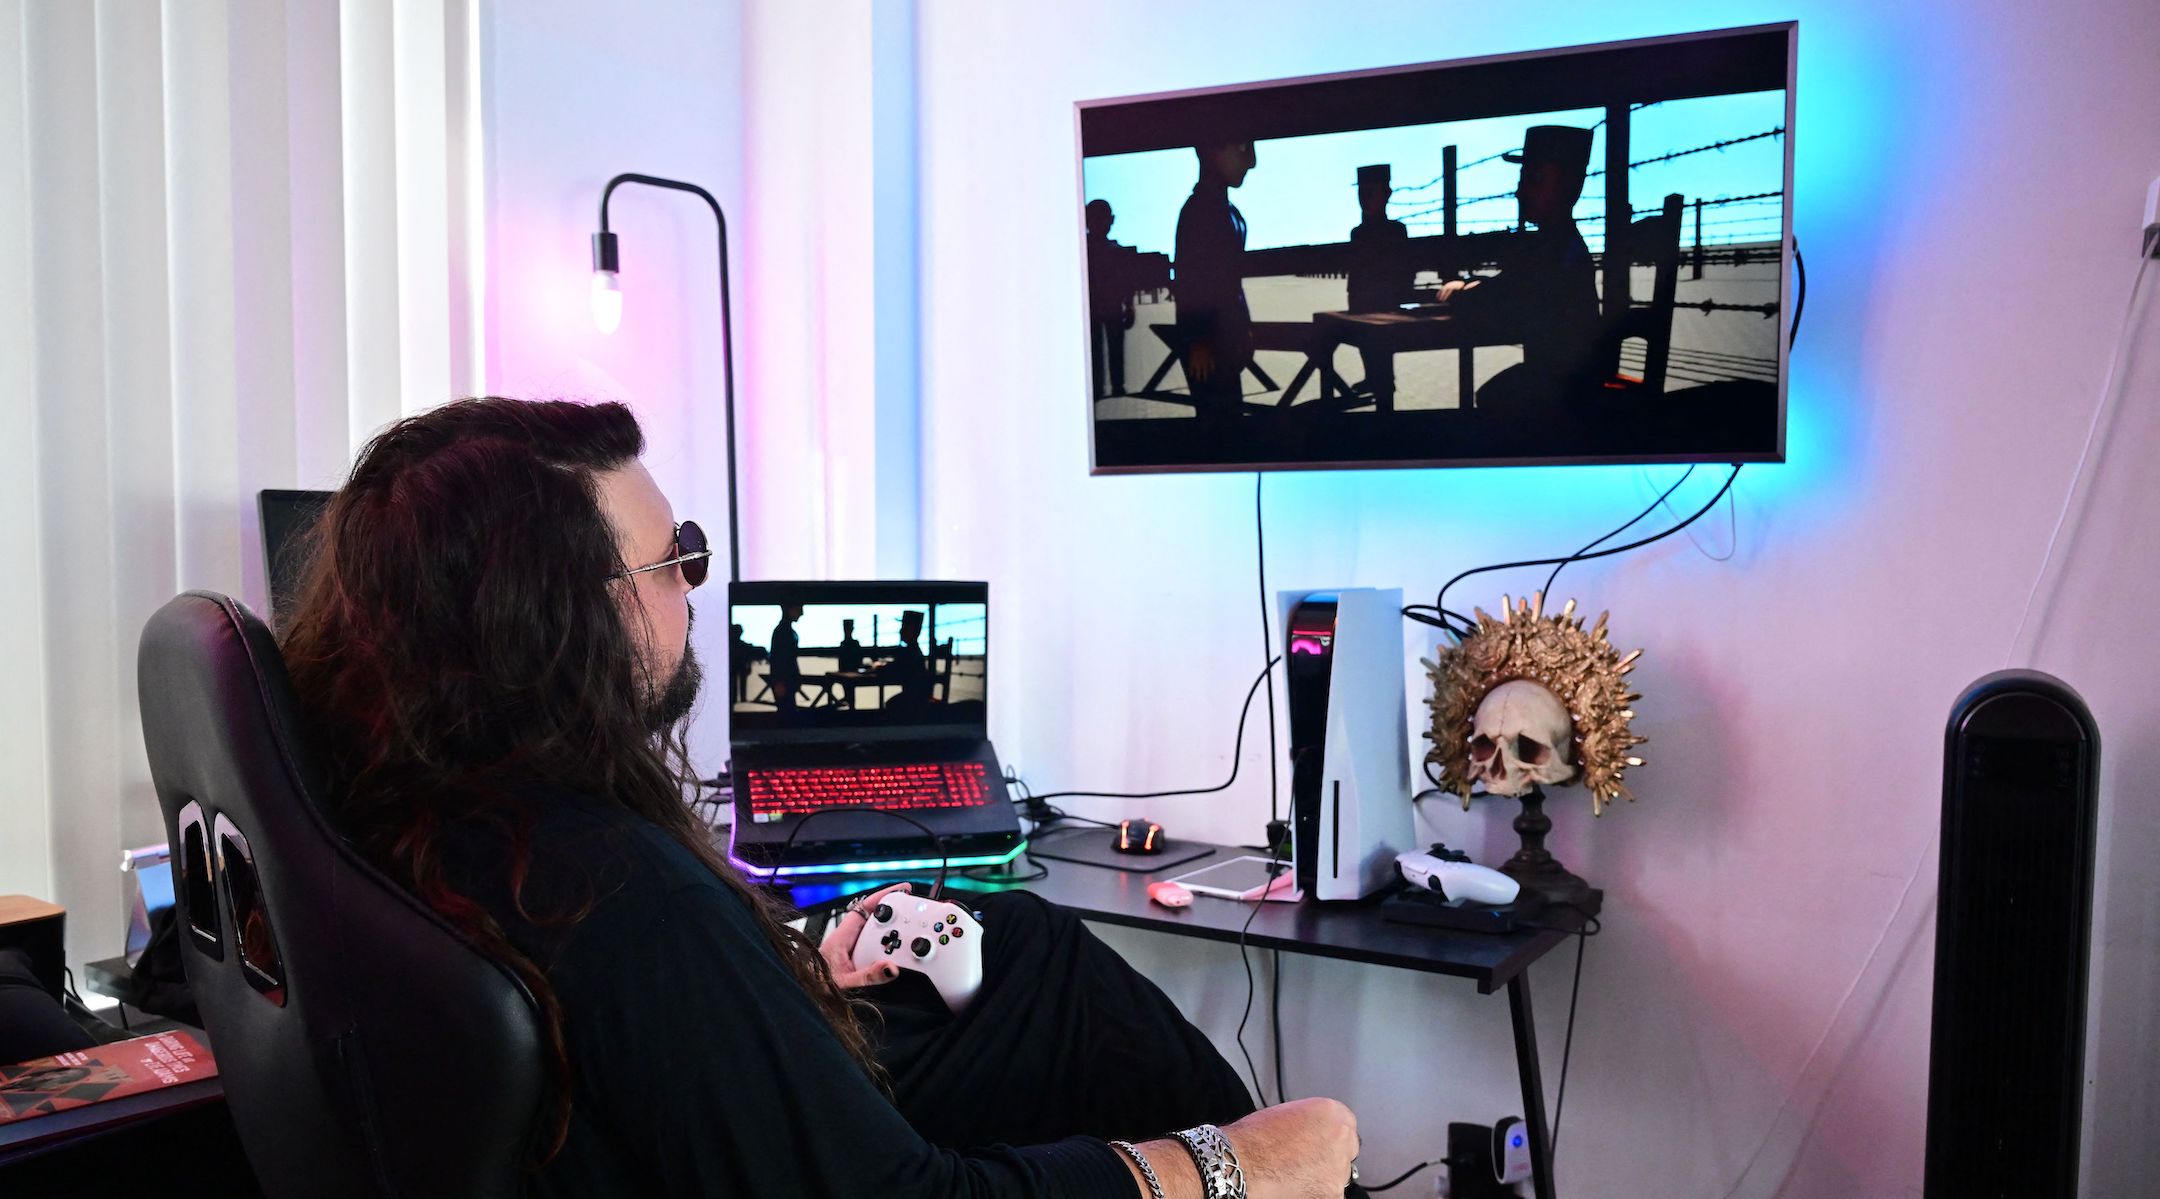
(1349, 739)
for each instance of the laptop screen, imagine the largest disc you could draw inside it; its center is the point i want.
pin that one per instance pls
(812, 662)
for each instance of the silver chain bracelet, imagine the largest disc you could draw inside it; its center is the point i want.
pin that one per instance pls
(1154, 1184)
(1220, 1174)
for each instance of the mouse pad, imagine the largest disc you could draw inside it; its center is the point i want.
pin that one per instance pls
(1091, 846)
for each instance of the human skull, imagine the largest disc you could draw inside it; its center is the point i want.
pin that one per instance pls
(1521, 737)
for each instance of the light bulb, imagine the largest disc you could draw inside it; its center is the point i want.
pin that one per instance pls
(606, 301)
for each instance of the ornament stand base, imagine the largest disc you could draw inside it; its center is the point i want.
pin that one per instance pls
(1537, 870)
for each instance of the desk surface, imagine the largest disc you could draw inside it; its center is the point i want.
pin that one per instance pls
(1349, 931)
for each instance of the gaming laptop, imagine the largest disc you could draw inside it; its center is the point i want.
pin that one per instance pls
(858, 715)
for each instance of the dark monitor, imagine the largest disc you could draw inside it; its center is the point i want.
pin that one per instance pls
(1566, 256)
(857, 661)
(288, 519)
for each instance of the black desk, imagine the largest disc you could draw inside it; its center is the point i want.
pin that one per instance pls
(1353, 932)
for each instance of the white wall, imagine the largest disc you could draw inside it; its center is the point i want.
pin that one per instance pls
(1754, 1020)
(662, 87)
(571, 100)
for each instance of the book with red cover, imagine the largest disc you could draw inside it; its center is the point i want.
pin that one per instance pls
(46, 1085)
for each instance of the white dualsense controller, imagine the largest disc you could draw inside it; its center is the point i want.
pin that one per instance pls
(1457, 880)
(941, 941)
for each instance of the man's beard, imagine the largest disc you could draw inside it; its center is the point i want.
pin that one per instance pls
(672, 706)
(675, 700)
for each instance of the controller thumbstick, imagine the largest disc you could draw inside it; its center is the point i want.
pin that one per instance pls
(882, 913)
(921, 946)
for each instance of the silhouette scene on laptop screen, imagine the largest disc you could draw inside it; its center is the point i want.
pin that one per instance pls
(857, 665)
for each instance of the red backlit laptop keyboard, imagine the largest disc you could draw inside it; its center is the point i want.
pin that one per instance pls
(913, 787)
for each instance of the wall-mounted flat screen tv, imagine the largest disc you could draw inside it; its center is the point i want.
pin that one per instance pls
(1569, 256)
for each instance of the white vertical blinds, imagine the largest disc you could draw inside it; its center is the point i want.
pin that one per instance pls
(235, 239)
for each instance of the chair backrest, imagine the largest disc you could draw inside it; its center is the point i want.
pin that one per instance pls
(367, 1049)
(941, 672)
(1655, 241)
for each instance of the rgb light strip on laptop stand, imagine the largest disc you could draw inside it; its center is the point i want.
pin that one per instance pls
(897, 864)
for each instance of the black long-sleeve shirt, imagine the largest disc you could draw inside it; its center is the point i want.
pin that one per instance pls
(700, 1065)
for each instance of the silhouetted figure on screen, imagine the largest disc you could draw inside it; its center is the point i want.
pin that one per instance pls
(741, 655)
(1380, 272)
(784, 671)
(850, 651)
(1212, 319)
(908, 669)
(1110, 299)
(1547, 286)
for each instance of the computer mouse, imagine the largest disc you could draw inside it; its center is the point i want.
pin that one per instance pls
(1138, 836)
(1170, 894)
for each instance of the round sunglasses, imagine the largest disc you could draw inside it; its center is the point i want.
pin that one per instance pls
(691, 554)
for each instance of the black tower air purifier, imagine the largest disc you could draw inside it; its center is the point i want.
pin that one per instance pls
(2006, 1072)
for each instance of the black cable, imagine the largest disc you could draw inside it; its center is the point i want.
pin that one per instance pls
(1282, 1091)
(1251, 989)
(1454, 623)
(1800, 299)
(1590, 928)
(936, 893)
(70, 991)
(78, 1008)
(1440, 603)
(1006, 878)
(1043, 815)
(1402, 1178)
(1639, 518)
(1056, 815)
(1267, 652)
(1237, 754)
(1267, 645)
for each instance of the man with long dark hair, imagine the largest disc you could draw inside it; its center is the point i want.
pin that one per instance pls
(491, 652)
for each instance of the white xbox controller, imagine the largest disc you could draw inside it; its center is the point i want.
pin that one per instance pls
(1457, 880)
(941, 941)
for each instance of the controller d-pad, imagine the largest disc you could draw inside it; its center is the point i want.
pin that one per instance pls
(891, 941)
(920, 946)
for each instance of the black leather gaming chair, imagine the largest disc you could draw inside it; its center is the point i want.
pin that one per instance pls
(366, 1048)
